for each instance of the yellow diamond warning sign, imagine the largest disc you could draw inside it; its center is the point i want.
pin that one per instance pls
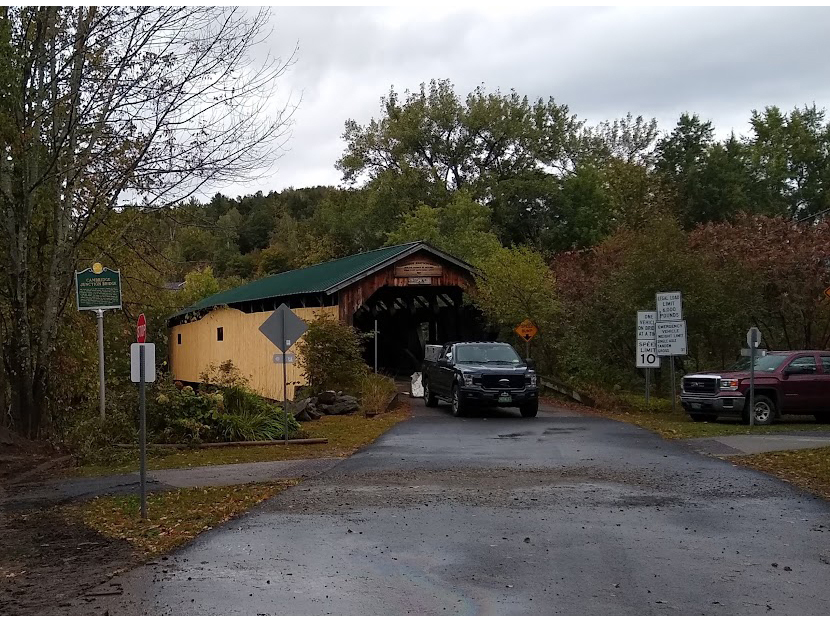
(827, 292)
(526, 330)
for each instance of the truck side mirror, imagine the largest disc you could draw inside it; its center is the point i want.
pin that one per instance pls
(531, 364)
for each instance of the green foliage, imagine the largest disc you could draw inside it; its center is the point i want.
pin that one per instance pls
(215, 414)
(332, 355)
(462, 228)
(516, 284)
(198, 284)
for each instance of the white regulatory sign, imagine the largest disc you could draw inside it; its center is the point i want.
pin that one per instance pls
(149, 362)
(646, 321)
(669, 306)
(647, 353)
(671, 338)
(753, 337)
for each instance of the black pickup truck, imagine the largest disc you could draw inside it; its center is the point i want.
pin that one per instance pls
(479, 372)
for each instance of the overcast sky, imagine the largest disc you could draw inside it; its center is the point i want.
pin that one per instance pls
(601, 62)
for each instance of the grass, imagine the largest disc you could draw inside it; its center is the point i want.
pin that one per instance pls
(806, 468)
(173, 517)
(659, 418)
(346, 434)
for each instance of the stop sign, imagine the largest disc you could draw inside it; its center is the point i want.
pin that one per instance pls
(141, 329)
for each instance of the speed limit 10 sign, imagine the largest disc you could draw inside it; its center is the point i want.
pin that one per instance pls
(647, 353)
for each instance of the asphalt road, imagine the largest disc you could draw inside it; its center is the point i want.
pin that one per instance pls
(496, 514)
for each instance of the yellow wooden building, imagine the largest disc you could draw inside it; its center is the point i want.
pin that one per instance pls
(413, 293)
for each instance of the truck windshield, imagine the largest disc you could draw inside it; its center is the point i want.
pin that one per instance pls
(770, 362)
(486, 353)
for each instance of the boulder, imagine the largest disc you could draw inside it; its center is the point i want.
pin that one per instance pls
(299, 406)
(313, 412)
(343, 405)
(327, 397)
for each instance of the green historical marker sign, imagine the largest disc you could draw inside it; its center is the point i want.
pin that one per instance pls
(98, 289)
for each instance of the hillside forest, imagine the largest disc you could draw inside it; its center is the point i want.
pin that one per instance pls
(572, 225)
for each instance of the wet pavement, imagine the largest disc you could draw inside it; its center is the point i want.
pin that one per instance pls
(495, 514)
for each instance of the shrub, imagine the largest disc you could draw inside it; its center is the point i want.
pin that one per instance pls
(249, 417)
(226, 374)
(88, 437)
(332, 354)
(215, 414)
(375, 391)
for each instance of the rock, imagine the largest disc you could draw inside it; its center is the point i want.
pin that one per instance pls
(327, 398)
(299, 406)
(302, 416)
(343, 405)
(313, 412)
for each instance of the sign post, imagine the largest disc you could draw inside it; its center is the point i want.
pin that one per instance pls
(671, 333)
(142, 371)
(647, 346)
(527, 330)
(753, 340)
(97, 289)
(283, 328)
(102, 396)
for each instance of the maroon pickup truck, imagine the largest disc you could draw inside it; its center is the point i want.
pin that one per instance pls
(793, 383)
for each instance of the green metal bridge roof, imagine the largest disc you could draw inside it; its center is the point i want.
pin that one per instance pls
(326, 277)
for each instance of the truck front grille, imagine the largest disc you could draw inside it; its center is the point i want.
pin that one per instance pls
(494, 381)
(700, 386)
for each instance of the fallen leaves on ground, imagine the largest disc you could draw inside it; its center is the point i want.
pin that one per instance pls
(173, 517)
(805, 468)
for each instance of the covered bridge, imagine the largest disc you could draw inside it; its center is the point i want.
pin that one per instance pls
(414, 291)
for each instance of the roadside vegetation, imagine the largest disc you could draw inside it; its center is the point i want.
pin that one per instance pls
(806, 468)
(173, 517)
(345, 433)
(658, 417)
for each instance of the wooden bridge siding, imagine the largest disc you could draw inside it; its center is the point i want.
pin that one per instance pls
(242, 344)
(353, 297)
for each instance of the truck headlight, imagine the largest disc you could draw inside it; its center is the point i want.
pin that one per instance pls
(468, 379)
(730, 384)
(531, 379)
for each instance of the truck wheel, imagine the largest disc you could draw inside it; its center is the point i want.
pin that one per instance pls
(429, 397)
(457, 404)
(530, 409)
(765, 411)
